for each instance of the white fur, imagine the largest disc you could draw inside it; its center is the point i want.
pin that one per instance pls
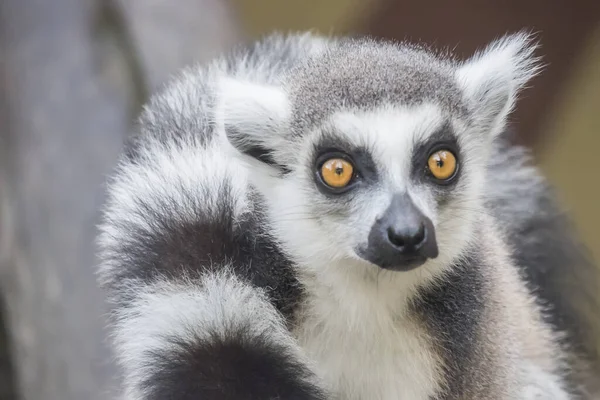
(189, 311)
(252, 114)
(365, 348)
(540, 385)
(177, 178)
(257, 109)
(492, 79)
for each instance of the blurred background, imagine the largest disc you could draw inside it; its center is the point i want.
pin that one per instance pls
(74, 73)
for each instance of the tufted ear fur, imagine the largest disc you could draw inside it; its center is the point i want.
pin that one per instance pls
(492, 79)
(254, 117)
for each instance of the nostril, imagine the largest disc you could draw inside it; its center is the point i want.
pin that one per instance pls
(419, 236)
(395, 238)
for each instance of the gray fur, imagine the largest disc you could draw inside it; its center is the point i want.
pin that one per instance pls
(363, 74)
(549, 252)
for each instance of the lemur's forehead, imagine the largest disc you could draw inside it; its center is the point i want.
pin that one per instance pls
(388, 125)
(362, 75)
(389, 133)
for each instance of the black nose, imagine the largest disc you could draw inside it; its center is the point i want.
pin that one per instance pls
(403, 238)
(407, 238)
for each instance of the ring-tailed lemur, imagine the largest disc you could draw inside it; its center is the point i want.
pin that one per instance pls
(320, 218)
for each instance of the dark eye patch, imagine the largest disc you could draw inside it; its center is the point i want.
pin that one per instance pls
(337, 145)
(443, 138)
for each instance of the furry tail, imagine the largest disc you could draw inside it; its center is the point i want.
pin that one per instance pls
(195, 312)
(555, 263)
(213, 338)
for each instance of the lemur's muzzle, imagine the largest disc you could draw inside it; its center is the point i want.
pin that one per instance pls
(403, 238)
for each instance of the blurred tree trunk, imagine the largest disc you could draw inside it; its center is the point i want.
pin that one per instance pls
(73, 74)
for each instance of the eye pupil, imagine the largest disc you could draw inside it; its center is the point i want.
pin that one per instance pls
(336, 172)
(442, 165)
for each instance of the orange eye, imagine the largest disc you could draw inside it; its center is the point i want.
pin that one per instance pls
(337, 172)
(442, 164)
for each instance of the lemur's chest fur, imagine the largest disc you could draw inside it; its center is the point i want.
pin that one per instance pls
(363, 349)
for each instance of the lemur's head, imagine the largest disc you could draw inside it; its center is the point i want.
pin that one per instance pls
(375, 153)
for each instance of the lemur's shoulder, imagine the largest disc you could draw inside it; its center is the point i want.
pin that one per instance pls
(547, 251)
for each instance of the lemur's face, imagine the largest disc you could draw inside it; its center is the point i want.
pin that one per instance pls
(376, 154)
(386, 186)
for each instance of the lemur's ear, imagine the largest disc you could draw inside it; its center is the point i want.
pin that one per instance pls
(253, 116)
(492, 79)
